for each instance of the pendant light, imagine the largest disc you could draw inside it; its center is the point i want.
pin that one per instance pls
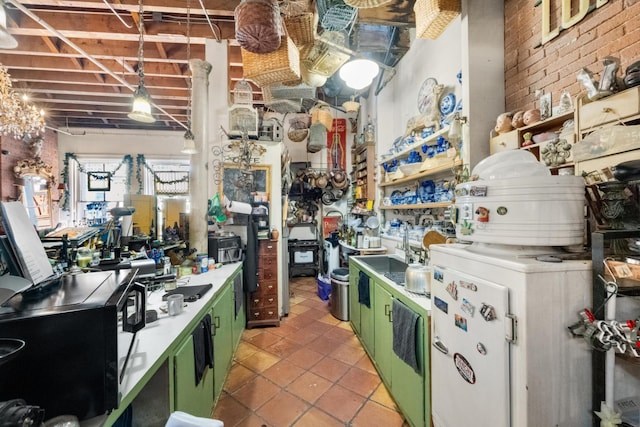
(141, 111)
(359, 73)
(189, 146)
(7, 41)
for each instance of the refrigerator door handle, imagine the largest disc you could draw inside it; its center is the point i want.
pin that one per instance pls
(439, 345)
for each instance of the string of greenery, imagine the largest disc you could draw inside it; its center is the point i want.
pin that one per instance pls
(141, 161)
(127, 159)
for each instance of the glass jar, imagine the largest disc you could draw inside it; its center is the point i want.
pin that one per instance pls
(84, 257)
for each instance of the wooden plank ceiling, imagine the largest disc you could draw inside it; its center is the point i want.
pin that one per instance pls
(78, 59)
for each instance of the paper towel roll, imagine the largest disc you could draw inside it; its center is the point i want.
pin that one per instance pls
(127, 225)
(239, 207)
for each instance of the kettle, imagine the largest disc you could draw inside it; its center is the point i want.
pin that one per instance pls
(417, 279)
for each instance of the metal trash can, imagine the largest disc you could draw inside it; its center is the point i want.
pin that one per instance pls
(340, 293)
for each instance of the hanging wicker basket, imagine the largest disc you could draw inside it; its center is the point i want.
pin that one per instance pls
(302, 28)
(258, 25)
(433, 16)
(284, 106)
(365, 4)
(322, 114)
(290, 8)
(324, 59)
(279, 91)
(283, 65)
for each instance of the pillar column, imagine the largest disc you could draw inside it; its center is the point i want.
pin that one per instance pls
(198, 181)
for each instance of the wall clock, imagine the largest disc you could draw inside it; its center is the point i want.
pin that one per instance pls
(425, 95)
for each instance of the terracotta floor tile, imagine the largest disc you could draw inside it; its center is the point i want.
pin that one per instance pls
(330, 369)
(338, 333)
(317, 327)
(346, 326)
(251, 421)
(263, 340)
(273, 411)
(366, 364)
(301, 321)
(238, 376)
(303, 336)
(259, 361)
(353, 341)
(381, 395)
(323, 345)
(230, 411)
(309, 386)
(314, 417)
(284, 330)
(347, 354)
(250, 333)
(299, 308)
(359, 381)
(245, 350)
(283, 347)
(304, 358)
(329, 319)
(322, 307)
(340, 403)
(256, 392)
(283, 372)
(375, 415)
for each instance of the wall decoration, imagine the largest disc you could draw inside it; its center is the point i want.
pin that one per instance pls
(337, 145)
(238, 184)
(99, 181)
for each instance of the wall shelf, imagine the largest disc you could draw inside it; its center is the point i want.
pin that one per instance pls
(416, 145)
(430, 172)
(434, 205)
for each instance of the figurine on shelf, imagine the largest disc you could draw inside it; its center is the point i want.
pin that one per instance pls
(370, 132)
(531, 116)
(527, 139)
(503, 123)
(518, 119)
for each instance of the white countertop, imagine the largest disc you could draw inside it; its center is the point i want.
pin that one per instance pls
(154, 341)
(422, 301)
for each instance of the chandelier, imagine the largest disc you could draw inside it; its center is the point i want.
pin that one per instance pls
(17, 117)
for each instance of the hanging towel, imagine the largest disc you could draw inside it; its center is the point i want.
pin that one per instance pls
(363, 290)
(405, 329)
(202, 347)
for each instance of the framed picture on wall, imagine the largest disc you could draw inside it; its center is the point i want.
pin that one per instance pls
(99, 181)
(239, 184)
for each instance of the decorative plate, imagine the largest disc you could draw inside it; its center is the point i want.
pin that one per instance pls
(447, 104)
(425, 95)
(396, 197)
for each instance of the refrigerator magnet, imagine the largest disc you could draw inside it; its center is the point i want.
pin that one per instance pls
(468, 285)
(487, 312)
(481, 348)
(461, 322)
(464, 368)
(467, 307)
(452, 289)
(443, 306)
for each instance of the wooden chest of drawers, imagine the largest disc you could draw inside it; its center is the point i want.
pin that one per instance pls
(262, 307)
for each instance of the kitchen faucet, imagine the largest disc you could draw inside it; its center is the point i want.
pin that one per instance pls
(405, 243)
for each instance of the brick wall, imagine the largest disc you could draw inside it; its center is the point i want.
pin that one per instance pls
(18, 150)
(611, 30)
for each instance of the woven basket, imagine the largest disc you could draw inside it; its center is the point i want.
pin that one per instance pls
(322, 114)
(290, 8)
(284, 106)
(283, 65)
(433, 16)
(258, 25)
(324, 59)
(339, 18)
(302, 28)
(365, 4)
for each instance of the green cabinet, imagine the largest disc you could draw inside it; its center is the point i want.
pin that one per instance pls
(222, 319)
(189, 397)
(240, 318)
(360, 315)
(374, 328)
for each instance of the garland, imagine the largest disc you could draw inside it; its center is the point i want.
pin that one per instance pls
(127, 159)
(140, 161)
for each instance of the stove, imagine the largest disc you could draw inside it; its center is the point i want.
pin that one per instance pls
(304, 249)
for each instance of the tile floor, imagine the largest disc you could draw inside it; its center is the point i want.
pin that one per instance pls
(309, 372)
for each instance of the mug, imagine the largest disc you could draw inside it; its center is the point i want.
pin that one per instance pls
(174, 304)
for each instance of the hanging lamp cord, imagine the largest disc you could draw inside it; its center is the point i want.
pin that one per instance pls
(140, 43)
(189, 88)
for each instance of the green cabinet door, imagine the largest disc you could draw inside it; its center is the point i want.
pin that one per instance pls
(383, 332)
(408, 386)
(354, 305)
(189, 397)
(367, 324)
(222, 318)
(240, 318)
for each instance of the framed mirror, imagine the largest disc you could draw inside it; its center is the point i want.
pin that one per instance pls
(35, 179)
(240, 184)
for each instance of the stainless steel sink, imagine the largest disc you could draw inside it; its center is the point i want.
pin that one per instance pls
(387, 266)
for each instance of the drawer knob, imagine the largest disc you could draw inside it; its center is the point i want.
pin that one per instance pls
(256, 301)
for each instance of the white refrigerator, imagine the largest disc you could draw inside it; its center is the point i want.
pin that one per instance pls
(501, 353)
